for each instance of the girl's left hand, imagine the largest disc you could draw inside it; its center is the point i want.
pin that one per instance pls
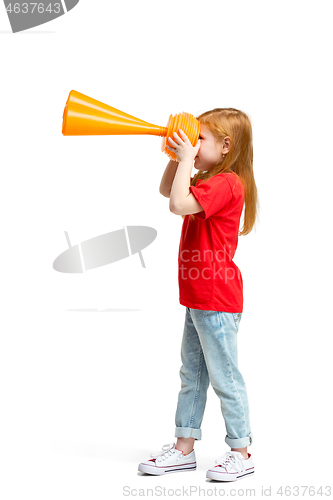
(182, 146)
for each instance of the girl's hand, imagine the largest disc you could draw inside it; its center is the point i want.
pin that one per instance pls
(182, 147)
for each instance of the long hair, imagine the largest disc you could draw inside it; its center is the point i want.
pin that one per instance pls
(223, 122)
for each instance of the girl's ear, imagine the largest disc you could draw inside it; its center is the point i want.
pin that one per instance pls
(226, 145)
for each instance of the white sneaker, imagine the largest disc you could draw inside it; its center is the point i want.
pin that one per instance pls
(168, 460)
(231, 466)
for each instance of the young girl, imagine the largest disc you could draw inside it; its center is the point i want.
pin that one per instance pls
(211, 286)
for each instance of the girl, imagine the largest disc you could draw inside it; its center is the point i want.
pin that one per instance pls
(210, 286)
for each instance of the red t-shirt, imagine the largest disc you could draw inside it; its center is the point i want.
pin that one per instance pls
(208, 278)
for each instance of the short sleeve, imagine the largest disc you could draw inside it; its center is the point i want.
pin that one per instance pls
(213, 195)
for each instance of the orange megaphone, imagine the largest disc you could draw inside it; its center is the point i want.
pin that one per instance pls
(86, 116)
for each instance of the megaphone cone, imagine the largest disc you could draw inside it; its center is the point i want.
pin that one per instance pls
(86, 116)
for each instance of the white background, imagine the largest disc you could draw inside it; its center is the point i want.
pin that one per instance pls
(86, 396)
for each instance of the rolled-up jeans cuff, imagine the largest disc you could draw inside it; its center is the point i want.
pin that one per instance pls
(187, 432)
(239, 442)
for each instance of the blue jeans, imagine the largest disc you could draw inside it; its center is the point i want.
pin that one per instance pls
(209, 354)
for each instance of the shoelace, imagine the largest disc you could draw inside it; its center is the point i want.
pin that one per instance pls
(167, 451)
(231, 460)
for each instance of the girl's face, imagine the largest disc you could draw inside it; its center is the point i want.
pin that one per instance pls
(210, 151)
